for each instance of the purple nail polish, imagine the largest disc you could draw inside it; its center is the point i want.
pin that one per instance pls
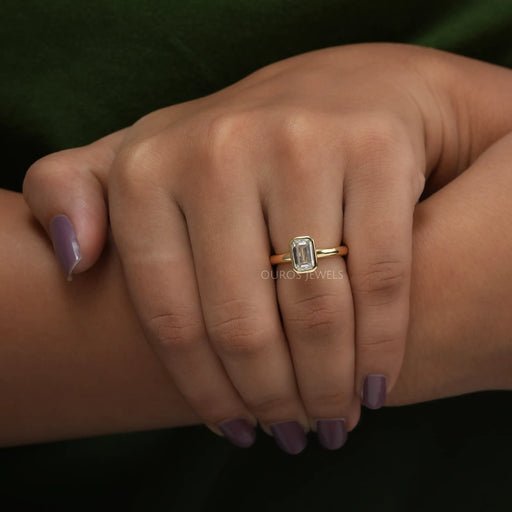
(332, 433)
(239, 432)
(289, 436)
(65, 243)
(374, 391)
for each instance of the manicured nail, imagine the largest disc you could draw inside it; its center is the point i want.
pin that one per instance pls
(65, 244)
(239, 432)
(289, 436)
(332, 433)
(374, 391)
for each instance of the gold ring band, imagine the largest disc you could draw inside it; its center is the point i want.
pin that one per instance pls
(303, 255)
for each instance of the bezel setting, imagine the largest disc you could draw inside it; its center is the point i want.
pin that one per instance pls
(303, 254)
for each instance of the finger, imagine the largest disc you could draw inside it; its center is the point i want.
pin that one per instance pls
(151, 234)
(66, 193)
(231, 254)
(316, 307)
(379, 205)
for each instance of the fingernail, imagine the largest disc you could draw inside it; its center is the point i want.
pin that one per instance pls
(332, 433)
(239, 432)
(65, 244)
(374, 391)
(289, 436)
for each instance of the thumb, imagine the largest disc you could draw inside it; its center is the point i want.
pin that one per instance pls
(66, 192)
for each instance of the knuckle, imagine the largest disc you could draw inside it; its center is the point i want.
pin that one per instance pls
(50, 169)
(133, 164)
(226, 140)
(319, 313)
(296, 127)
(382, 282)
(299, 133)
(224, 136)
(236, 330)
(304, 140)
(379, 132)
(381, 138)
(386, 155)
(175, 331)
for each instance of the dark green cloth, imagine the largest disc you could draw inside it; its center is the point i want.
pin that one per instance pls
(75, 71)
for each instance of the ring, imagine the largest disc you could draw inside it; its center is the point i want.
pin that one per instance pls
(303, 255)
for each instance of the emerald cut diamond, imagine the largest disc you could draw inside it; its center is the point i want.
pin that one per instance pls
(303, 254)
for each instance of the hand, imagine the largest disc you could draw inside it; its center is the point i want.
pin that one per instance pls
(107, 379)
(336, 144)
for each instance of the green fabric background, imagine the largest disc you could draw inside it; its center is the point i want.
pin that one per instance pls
(75, 71)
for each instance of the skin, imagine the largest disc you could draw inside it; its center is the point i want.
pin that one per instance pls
(74, 360)
(339, 142)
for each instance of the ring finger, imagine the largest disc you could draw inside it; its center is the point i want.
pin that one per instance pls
(317, 307)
